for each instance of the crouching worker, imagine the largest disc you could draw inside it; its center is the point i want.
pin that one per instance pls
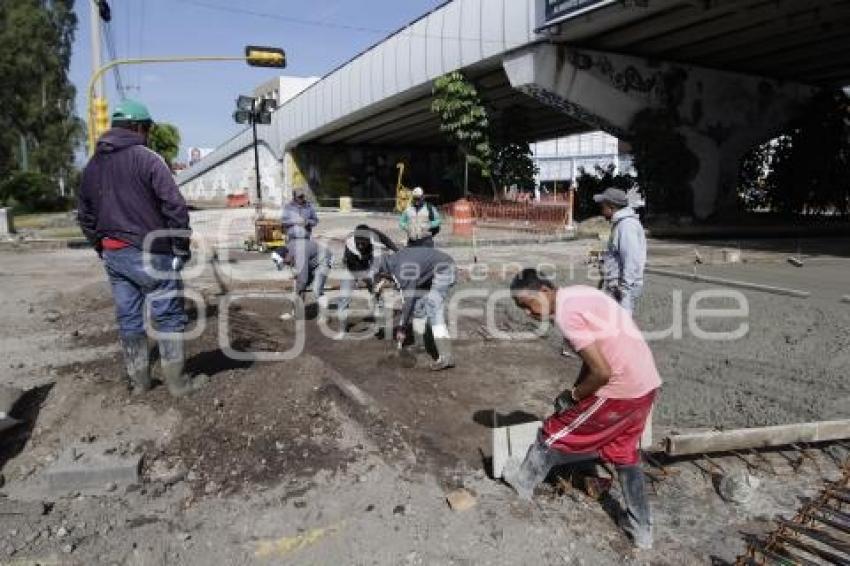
(311, 263)
(363, 249)
(604, 414)
(128, 194)
(425, 276)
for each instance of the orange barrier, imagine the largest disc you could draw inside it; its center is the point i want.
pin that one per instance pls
(238, 201)
(462, 212)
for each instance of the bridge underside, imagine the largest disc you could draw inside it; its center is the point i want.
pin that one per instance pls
(803, 41)
(410, 122)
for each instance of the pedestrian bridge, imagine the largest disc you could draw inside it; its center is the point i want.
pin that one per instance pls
(736, 71)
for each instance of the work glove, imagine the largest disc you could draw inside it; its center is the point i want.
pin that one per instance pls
(400, 335)
(565, 401)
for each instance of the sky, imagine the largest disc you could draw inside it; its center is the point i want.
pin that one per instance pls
(199, 98)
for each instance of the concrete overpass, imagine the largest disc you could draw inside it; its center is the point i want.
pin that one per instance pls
(736, 70)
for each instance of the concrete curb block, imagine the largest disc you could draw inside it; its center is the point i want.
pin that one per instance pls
(731, 283)
(846, 299)
(44, 245)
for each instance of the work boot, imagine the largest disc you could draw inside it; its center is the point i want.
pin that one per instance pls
(444, 360)
(173, 362)
(636, 519)
(137, 362)
(418, 343)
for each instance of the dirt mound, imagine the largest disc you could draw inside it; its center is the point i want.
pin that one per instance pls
(256, 428)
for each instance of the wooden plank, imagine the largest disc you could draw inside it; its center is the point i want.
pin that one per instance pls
(741, 439)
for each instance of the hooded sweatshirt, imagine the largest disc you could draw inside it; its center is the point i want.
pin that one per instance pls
(413, 270)
(359, 262)
(299, 220)
(626, 257)
(127, 192)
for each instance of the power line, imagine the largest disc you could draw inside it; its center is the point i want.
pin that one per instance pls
(141, 29)
(290, 19)
(334, 25)
(109, 40)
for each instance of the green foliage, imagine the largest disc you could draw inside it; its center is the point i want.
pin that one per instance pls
(165, 140)
(30, 191)
(805, 170)
(810, 166)
(664, 164)
(463, 118)
(36, 94)
(752, 177)
(513, 165)
(593, 183)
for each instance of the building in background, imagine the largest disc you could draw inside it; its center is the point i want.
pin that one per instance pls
(282, 89)
(560, 160)
(195, 154)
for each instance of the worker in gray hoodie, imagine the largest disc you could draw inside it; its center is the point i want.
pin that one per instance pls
(299, 217)
(623, 263)
(425, 277)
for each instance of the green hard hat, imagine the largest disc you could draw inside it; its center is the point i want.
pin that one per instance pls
(131, 111)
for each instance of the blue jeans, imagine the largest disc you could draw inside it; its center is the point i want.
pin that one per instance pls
(431, 306)
(132, 285)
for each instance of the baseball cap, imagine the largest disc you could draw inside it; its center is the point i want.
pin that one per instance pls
(611, 195)
(418, 192)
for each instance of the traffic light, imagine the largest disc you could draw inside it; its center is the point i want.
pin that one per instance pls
(258, 56)
(101, 116)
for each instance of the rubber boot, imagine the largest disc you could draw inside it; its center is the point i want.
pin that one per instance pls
(137, 362)
(418, 343)
(635, 520)
(420, 327)
(444, 360)
(173, 362)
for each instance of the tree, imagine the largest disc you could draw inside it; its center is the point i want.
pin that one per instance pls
(592, 183)
(165, 140)
(464, 119)
(38, 128)
(810, 165)
(665, 166)
(513, 165)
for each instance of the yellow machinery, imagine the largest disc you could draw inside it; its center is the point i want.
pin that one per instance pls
(403, 195)
(268, 235)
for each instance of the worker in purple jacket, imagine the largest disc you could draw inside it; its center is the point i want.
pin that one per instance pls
(127, 197)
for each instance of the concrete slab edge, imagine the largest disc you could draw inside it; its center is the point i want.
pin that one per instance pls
(731, 283)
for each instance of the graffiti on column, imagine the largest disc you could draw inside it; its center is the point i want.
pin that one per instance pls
(664, 86)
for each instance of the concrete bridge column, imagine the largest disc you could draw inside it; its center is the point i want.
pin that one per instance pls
(720, 115)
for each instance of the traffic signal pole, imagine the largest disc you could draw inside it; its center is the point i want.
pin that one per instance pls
(257, 163)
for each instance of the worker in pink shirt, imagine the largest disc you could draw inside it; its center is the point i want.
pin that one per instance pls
(604, 414)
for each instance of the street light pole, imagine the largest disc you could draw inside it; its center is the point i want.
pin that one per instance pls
(257, 161)
(255, 111)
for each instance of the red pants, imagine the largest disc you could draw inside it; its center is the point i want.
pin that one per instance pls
(610, 427)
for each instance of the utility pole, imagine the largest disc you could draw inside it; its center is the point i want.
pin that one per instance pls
(96, 62)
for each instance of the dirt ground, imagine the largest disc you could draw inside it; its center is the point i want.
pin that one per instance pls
(279, 462)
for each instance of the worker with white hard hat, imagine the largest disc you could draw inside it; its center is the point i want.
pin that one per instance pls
(421, 221)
